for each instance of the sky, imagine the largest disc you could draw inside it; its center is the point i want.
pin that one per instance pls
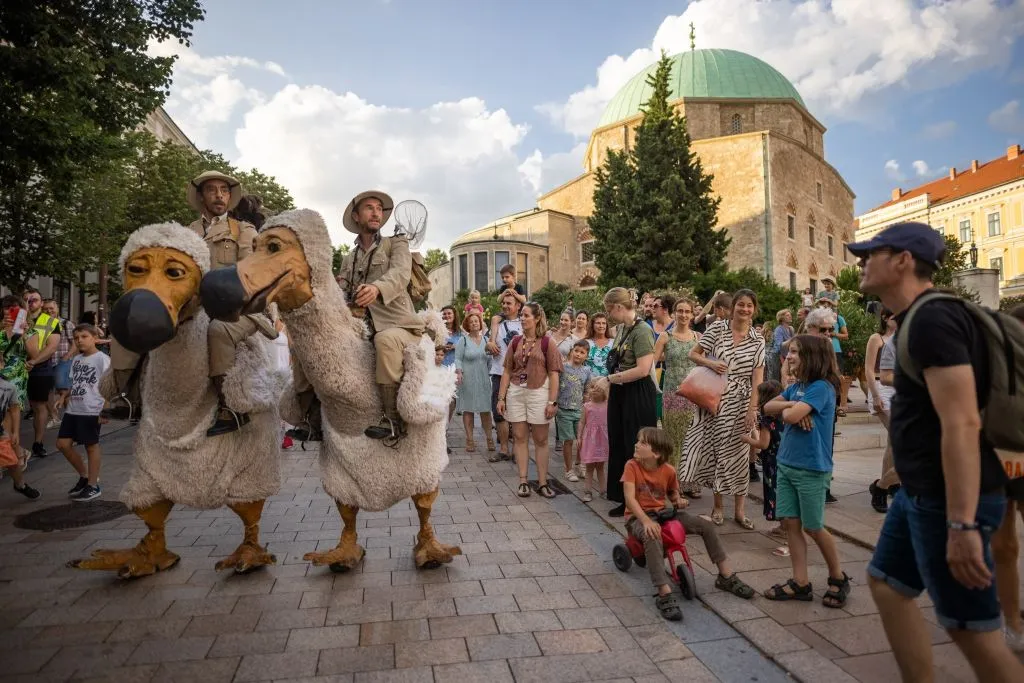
(476, 107)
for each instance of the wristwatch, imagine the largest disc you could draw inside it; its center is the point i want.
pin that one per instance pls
(554, 403)
(963, 526)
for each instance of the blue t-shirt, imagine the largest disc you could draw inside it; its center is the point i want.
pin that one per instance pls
(810, 450)
(840, 324)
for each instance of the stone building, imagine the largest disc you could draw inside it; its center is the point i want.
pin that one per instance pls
(982, 205)
(787, 210)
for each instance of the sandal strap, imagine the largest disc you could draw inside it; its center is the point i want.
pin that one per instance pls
(840, 583)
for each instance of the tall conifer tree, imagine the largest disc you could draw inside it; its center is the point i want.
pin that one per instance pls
(655, 217)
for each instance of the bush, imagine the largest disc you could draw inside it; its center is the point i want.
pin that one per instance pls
(1010, 302)
(859, 324)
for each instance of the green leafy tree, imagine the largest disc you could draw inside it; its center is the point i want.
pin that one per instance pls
(771, 297)
(434, 258)
(339, 255)
(654, 212)
(73, 77)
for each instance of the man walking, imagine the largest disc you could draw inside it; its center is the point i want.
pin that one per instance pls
(42, 339)
(503, 328)
(937, 532)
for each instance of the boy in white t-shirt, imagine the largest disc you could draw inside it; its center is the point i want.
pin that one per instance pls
(82, 406)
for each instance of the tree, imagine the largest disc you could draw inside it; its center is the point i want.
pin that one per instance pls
(73, 77)
(339, 254)
(654, 213)
(434, 258)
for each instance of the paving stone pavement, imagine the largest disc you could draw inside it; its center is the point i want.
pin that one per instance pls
(534, 597)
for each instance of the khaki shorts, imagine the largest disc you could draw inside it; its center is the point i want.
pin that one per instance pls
(527, 405)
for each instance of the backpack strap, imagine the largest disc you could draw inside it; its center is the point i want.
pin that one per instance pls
(907, 364)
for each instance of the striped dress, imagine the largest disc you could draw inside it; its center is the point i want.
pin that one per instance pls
(713, 454)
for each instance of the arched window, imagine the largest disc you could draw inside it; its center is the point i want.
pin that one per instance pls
(737, 124)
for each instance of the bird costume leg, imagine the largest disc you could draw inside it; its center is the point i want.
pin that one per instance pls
(250, 555)
(148, 557)
(430, 553)
(348, 554)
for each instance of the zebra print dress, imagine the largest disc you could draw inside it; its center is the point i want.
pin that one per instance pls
(713, 454)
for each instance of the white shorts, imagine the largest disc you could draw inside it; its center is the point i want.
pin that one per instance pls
(886, 393)
(527, 405)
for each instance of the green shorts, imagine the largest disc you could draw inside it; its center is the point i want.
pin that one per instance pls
(800, 494)
(566, 422)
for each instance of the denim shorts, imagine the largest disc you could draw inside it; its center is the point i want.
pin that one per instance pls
(918, 524)
(800, 494)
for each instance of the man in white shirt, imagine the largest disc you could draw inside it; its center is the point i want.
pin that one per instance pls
(503, 328)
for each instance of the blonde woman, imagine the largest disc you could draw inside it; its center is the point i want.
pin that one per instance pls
(632, 394)
(471, 370)
(528, 395)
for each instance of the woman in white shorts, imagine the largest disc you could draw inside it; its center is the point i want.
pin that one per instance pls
(528, 395)
(879, 364)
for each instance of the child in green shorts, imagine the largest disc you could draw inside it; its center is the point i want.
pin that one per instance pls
(804, 462)
(572, 382)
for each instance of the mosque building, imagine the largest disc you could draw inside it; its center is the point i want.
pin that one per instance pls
(787, 210)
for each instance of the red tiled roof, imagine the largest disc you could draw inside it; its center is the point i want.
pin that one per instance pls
(967, 181)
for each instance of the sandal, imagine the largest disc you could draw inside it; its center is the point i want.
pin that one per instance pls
(781, 551)
(470, 446)
(524, 490)
(840, 412)
(717, 517)
(797, 592)
(734, 585)
(545, 491)
(497, 457)
(745, 523)
(668, 607)
(836, 598)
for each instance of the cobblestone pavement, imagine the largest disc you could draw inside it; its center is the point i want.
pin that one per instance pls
(534, 597)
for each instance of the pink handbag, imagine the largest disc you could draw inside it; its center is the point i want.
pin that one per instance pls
(703, 387)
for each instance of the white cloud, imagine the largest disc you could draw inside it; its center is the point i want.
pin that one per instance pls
(1008, 118)
(921, 168)
(937, 131)
(893, 172)
(546, 173)
(840, 55)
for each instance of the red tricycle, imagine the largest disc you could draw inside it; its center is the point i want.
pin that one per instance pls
(673, 538)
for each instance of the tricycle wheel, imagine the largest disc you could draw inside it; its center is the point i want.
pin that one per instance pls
(621, 557)
(687, 584)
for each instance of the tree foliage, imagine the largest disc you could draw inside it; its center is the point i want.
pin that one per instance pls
(654, 213)
(340, 252)
(771, 297)
(434, 258)
(74, 76)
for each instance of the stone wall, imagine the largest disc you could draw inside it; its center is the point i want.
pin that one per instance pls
(575, 198)
(794, 176)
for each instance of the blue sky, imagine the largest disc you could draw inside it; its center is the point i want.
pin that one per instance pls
(475, 107)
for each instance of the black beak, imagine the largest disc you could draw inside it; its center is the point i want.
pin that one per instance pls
(140, 322)
(222, 294)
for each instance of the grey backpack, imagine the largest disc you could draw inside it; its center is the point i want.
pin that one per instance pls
(1002, 415)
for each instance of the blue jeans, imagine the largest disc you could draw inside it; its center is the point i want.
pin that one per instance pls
(911, 557)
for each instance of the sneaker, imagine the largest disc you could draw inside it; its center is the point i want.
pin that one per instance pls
(879, 497)
(587, 497)
(88, 493)
(77, 488)
(829, 498)
(54, 423)
(38, 450)
(570, 475)
(27, 491)
(618, 510)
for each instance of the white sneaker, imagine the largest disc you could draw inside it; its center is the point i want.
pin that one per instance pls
(1015, 639)
(571, 476)
(54, 423)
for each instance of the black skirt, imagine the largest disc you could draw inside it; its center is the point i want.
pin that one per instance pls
(631, 407)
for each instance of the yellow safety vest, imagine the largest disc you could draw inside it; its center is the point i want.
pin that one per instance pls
(43, 327)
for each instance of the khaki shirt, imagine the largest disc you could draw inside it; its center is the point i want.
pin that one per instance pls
(390, 274)
(225, 249)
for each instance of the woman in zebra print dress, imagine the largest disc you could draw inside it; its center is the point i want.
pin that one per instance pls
(713, 454)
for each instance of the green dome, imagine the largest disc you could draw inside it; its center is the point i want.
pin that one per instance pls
(704, 73)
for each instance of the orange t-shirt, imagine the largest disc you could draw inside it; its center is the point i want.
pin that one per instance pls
(652, 486)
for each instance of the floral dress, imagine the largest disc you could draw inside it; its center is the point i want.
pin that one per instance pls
(768, 462)
(14, 368)
(678, 411)
(597, 359)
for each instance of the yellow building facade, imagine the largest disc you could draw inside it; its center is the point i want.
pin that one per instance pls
(982, 204)
(787, 211)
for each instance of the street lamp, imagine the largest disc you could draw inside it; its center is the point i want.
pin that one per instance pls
(974, 255)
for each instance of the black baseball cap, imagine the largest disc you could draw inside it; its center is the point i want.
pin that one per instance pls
(921, 240)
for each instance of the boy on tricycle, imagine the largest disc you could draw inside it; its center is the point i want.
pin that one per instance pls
(647, 482)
